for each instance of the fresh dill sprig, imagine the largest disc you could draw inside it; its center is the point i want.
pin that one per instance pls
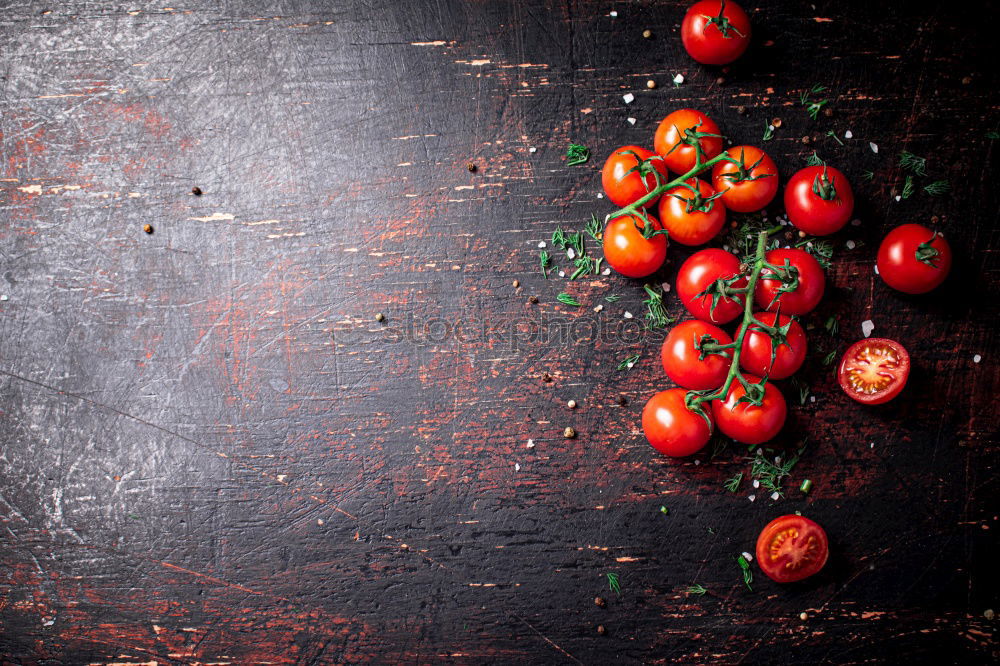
(768, 132)
(546, 260)
(594, 227)
(568, 300)
(696, 589)
(584, 265)
(868, 174)
(830, 358)
(937, 188)
(993, 135)
(743, 238)
(832, 326)
(627, 363)
(813, 107)
(821, 250)
(917, 165)
(577, 154)
(747, 573)
(613, 298)
(733, 484)
(815, 160)
(833, 135)
(770, 474)
(656, 315)
(907, 187)
(664, 510)
(613, 583)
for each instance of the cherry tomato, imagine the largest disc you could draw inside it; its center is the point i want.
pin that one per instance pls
(913, 259)
(715, 32)
(621, 177)
(750, 185)
(671, 427)
(874, 370)
(702, 269)
(689, 367)
(750, 424)
(806, 295)
(675, 141)
(755, 355)
(629, 252)
(819, 200)
(692, 219)
(791, 548)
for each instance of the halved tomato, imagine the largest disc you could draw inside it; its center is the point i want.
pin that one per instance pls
(791, 548)
(874, 370)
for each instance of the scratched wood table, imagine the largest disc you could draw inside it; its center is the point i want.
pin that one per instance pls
(214, 452)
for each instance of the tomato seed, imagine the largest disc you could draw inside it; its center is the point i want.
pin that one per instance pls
(571, 404)
(651, 84)
(379, 316)
(196, 191)
(599, 601)
(647, 34)
(569, 433)
(148, 228)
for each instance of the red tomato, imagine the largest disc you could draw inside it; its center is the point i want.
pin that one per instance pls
(913, 259)
(750, 424)
(874, 370)
(702, 269)
(750, 185)
(621, 177)
(819, 200)
(629, 252)
(791, 548)
(671, 427)
(755, 355)
(686, 365)
(811, 282)
(715, 32)
(675, 139)
(692, 219)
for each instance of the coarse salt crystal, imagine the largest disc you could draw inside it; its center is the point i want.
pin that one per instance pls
(629, 365)
(600, 196)
(747, 556)
(517, 467)
(606, 271)
(775, 495)
(751, 497)
(876, 270)
(777, 460)
(542, 244)
(571, 253)
(726, 248)
(628, 315)
(977, 358)
(873, 146)
(531, 444)
(855, 223)
(756, 483)
(631, 121)
(562, 273)
(867, 326)
(628, 97)
(898, 198)
(532, 149)
(614, 14)
(697, 462)
(679, 79)
(599, 308)
(872, 445)
(5, 297)
(812, 398)
(665, 287)
(848, 134)
(851, 245)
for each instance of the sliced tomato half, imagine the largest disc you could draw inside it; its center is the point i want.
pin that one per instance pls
(791, 548)
(874, 370)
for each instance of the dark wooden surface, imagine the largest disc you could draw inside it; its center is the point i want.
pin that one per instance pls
(213, 453)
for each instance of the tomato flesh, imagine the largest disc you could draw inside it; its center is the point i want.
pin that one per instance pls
(791, 548)
(874, 370)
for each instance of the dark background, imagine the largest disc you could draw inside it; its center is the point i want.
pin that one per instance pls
(212, 452)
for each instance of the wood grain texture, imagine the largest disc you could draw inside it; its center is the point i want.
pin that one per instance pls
(213, 453)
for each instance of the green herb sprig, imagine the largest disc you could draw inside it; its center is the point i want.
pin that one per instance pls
(577, 154)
